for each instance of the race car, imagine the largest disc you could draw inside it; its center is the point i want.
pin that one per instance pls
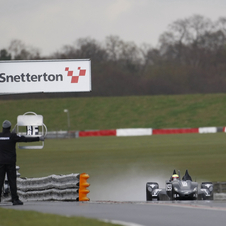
(179, 189)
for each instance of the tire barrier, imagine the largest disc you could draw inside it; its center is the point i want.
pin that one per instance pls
(71, 187)
(53, 187)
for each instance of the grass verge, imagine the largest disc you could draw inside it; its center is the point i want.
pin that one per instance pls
(203, 154)
(10, 217)
(171, 111)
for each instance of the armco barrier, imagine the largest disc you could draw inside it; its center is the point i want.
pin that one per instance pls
(56, 134)
(132, 132)
(174, 131)
(54, 187)
(219, 187)
(208, 130)
(97, 133)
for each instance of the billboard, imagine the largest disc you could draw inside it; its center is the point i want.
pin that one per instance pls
(47, 76)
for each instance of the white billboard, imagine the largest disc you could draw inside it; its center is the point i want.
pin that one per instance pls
(45, 76)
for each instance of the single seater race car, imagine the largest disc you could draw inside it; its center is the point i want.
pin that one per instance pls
(177, 189)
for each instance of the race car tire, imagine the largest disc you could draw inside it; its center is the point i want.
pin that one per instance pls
(172, 195)
(150, 186)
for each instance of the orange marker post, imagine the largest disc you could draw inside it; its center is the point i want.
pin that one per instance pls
(83, 184)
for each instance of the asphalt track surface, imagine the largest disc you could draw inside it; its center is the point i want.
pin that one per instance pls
(184, 213)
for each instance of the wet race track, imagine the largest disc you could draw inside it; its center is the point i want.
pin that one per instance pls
(184, 213)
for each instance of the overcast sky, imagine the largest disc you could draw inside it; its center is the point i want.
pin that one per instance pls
(50, 24)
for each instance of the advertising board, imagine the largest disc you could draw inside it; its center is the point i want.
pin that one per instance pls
(48, 76)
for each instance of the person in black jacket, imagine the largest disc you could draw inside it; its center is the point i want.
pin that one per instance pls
(8, 142)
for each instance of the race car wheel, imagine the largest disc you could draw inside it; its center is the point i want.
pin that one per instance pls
(172, 195)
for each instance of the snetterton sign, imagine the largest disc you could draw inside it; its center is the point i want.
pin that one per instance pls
(45, 76)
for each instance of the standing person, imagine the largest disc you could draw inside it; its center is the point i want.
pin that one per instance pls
(8, 142)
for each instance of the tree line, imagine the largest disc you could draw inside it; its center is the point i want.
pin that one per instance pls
(190, 58)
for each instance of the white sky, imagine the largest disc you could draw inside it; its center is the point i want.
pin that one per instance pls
(50, 24)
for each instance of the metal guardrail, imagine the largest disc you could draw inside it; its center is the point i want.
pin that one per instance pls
(130, 132)
(62, 134)
(219, 187)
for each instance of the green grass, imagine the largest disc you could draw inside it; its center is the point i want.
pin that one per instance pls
(108, 159)
(11, 217)
(102, 157)
(172, 111)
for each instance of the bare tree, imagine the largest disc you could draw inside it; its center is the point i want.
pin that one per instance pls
(90, 48)
(113, 47)
(20, 51)
(4, 55)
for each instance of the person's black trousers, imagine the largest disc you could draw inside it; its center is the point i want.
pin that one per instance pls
(10, 170)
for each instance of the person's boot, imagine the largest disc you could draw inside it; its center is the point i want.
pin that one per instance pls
(17, 202)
